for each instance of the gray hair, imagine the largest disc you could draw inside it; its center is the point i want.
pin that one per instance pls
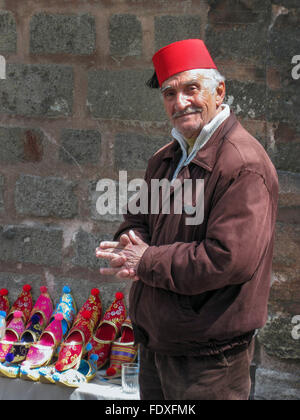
(212, 78)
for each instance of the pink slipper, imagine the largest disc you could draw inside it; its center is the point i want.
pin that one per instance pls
(13, 333)
(41, 353)
(39, 319)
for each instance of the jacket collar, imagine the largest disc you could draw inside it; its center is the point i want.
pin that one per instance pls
(206, 157)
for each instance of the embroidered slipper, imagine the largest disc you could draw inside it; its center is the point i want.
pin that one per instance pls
(28, 374)
(74, 378)
(73, 347)
(41, 353)
(8, 370)
(24, 303)
(46, 374)
(66, 307)
(108, 330)
(12, 335)
(4, 302)
(15, 326)
(123, 350)
(39, 319)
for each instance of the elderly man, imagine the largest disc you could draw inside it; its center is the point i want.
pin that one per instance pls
(199, 291)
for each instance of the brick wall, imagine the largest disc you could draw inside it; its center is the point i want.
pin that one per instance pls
(74, 109)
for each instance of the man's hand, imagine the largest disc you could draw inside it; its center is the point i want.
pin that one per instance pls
(124, 256)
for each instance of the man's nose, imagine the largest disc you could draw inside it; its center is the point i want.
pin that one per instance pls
(181, 101)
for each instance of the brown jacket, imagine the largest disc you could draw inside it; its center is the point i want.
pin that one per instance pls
(204, 288)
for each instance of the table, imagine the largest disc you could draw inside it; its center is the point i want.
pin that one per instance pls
(98, 389)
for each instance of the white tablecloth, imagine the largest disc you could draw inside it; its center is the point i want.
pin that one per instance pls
(19, 389)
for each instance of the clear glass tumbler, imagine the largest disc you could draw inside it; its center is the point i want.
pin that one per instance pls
(130, 378)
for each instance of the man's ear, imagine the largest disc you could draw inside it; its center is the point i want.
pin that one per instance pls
(220, 93)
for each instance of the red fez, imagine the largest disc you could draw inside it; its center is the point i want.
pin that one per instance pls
(181, 56)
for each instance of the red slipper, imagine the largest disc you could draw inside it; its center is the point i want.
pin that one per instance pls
(73, 347)
(24, 303)
(16, 321)
(122, 351)
(4, 303)
(108, 330)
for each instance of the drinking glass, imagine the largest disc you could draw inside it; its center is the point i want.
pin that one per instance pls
(130, 378)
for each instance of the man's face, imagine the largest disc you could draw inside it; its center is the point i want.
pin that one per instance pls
(189, 104)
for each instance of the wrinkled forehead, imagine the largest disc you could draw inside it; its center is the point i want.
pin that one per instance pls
(185, 77)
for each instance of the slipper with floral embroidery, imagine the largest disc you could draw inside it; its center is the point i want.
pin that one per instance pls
(74, 346)
(39, 319)
(66, 307)
(73, 378)
(41, 353)
(16, 321)
(4, 302)
(108, 330)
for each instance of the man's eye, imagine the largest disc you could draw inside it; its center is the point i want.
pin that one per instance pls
(192, 88)
(169, 94)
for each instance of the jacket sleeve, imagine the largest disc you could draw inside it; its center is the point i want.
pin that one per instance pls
(239, 230)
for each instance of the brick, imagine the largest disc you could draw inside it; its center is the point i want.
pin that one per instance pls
(247, 99)
(232, 12)
(84, 245)
(18, 144)
(287, 246)
(132, 150)
(62, 34)
(2, 208)
(287, 133)
(122, 94)
(44, 90)
(125, 35)
(31, 244)
(238, 30)
(8, 33)
(284, 37)
(283, 104)
(247, 42)
(175, 28)
(277, 339)
(278, 385)
(45, 197)
(289, 183)
(287, 3)
(286, 157)
(80, 146)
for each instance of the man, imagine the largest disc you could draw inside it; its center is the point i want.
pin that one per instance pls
(200, 291)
